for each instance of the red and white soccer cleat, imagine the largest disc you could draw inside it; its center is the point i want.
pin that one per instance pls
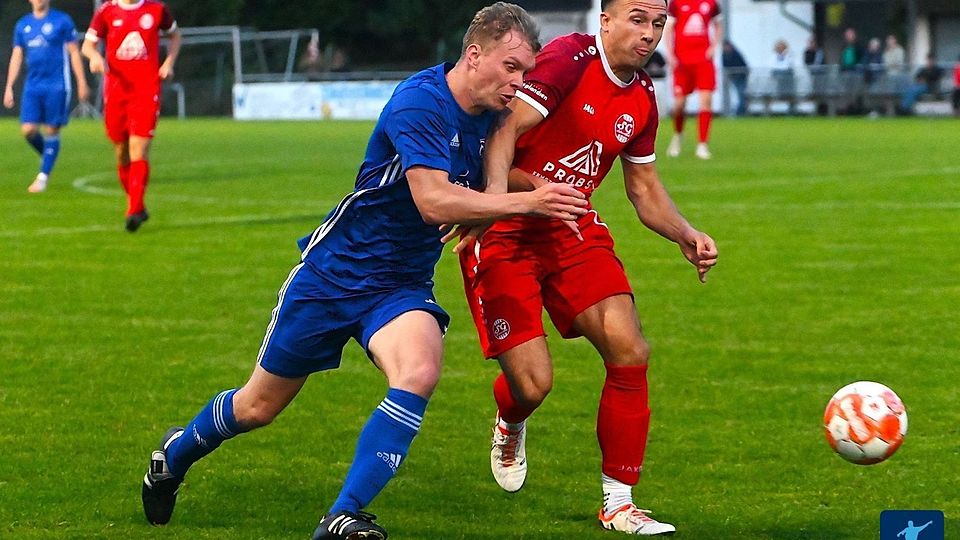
(632, 520)
(508, 456)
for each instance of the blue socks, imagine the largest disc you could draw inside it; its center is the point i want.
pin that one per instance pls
(50, 150)
(204, 434)
(381, 448)
(36, 141)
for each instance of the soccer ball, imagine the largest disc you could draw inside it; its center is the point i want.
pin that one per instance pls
(865, 422)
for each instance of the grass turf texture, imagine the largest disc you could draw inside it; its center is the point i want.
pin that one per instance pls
(837, 264)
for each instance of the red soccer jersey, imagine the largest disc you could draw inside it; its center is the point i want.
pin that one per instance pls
(590, 116)
(132, 32)
(691, 37)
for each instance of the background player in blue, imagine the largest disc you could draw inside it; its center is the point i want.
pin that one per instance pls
(367, 272)
(45, 38)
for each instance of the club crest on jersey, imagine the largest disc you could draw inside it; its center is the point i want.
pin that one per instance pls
(704, 8)
(623, 128)
(501, 329)
(47, 28)
(146, 22)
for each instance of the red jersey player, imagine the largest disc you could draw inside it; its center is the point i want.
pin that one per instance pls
(133, 73)
(586, 102)
(691, 46)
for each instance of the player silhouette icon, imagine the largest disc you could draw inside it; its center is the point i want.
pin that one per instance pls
(910, 532)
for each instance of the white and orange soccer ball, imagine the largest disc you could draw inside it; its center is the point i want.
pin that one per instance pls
(865, 422)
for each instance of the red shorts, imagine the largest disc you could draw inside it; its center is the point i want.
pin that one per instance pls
(512, 274)
(130, 112)
(690, 77)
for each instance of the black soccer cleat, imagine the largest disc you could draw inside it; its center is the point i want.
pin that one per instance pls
(160, 487)
(134, 221)
(349, 526)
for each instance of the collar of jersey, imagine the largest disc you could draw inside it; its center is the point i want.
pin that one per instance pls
(606, 66)
(123, 5)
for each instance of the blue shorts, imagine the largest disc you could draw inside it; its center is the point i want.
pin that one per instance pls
(313, 320)
(47, 106)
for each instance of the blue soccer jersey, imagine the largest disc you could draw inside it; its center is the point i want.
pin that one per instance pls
(44, 43)
(372, 259)
(376, 239)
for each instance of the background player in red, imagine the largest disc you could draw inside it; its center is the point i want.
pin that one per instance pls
(133, 73)
(690, 50)
(586, 102)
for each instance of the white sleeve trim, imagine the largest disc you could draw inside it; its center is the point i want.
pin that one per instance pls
(172, 29)
(533, 103)
(91, 36)
(639, 160)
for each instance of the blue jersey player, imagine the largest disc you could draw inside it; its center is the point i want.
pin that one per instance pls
(367, 272)
(47, 40)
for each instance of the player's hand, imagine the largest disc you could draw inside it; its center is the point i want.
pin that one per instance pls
(559, 201)
(468, 234)
(710, 51)
(701, 251)
(96, 64)
(166, 72)
(83, 93)
(8, 98)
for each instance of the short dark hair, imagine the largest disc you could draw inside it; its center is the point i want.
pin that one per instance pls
(604, 4)
(495, 21)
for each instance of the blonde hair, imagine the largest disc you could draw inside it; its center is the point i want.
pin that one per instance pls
(495, 21)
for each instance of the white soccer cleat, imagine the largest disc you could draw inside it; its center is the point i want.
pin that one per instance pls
(632, 520)
(39, 184)
(675, 145)
(508, 457)
(703, 152)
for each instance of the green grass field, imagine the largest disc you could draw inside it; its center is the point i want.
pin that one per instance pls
(837, 264)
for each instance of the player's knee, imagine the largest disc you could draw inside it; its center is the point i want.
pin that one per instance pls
(635, 352)
(533, 391)
(28, 131)
(420, 378)
(255, 414)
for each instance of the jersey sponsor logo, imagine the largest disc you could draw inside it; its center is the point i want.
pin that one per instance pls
(146, 22)
(36, 42)
(695, 26)
(132, 47)
(623, 128)
(501, 329)
(585, 160)
(529, 87)
(47, 28)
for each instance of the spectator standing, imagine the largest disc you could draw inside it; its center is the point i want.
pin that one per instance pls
(736, 70)
(894, 57)
(872, 61)
(852, 53)
(956, 87)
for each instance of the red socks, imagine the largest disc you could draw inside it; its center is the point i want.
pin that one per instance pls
(704, 118)
(510, 410)
(137, 185)
(678, 122)
(623, 422)
(123, 171)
